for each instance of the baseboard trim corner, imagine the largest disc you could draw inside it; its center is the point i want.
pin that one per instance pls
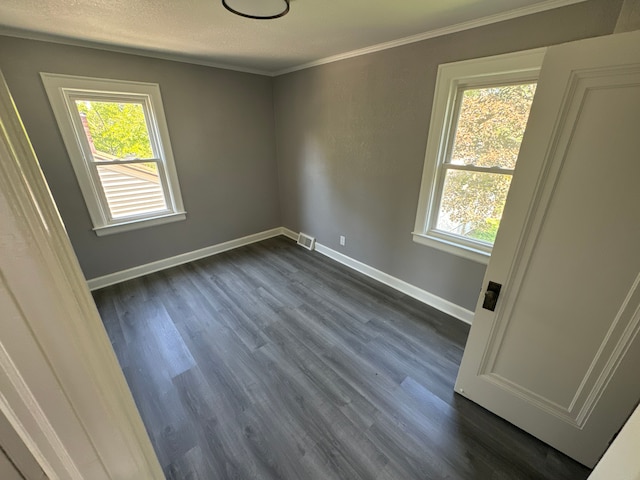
(289, 233)
(140, 270)
(423, 296)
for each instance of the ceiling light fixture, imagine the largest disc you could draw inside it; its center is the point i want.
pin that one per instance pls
(258, 9)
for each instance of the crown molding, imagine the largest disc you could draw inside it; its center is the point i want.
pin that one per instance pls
(438, 32)
(174, 57)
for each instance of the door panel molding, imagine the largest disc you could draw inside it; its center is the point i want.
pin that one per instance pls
(606, 362)
(532, 398)
(582, 119)
(582, 84)
(532, 226)
(630, 308)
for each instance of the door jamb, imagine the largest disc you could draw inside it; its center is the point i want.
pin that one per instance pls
(61, 386)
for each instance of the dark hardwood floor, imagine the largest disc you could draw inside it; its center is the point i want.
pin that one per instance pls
(272, 362)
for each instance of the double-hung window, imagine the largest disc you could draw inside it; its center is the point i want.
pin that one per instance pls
(116, 135)
(478, 120)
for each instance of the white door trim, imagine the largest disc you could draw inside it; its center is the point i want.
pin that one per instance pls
(62, 388)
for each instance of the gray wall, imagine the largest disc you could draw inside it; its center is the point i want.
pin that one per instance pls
(222, 133)
(351, 138)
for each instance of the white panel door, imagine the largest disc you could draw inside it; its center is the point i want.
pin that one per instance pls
(560, 355)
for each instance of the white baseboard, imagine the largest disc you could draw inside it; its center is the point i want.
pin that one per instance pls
(139, 271)
(434, 301)
(289, 233)
(430, 299)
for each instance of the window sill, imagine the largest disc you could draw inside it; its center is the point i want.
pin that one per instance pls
(140, 223)
(448, 246)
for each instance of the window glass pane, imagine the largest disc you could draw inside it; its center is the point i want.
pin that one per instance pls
(491, 124)
(472, 204)
(115, 131)
(132, 189)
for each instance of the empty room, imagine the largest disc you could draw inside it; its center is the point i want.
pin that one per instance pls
(283, 239)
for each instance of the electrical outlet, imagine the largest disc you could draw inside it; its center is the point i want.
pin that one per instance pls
(343, 240)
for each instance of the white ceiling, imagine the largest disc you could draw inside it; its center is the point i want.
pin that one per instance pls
(202, 31)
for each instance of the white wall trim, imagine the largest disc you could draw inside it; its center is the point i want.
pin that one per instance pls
(422, 295)
(140, 270)
(176, 57)
(516, 67)
(438, 32)
(63, 92)
(428, 298)
(289, 233)
(172, 57)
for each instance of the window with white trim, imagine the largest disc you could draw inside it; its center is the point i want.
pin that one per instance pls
(479, 116)
(117, 138)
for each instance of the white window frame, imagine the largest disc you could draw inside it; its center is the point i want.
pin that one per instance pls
(452, 80)
(62, 91)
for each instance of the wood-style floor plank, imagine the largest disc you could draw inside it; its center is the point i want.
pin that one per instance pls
(272, 362)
